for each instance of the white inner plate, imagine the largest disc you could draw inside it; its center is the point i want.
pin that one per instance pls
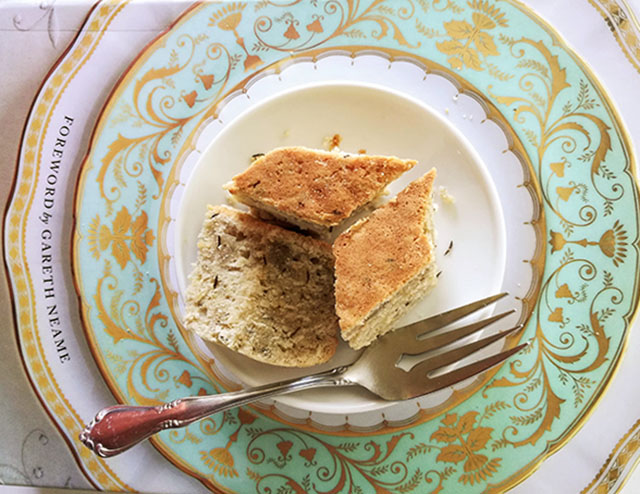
(381, 121)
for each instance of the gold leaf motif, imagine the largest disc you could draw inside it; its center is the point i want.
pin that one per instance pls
(556, 315)
(462, 52)
(481, 21)
(424, 4)
(508, 100)
(251, 61)
(253, 475)
(558, 168)
(450, 419)
(184, 379)
(608, 243)
(460, 448)
(120, 251)
(564, 193)
(291, 32)
(459, 29)
(466, 423)
(445, 435)
(411, 485)
(206, 80)
(120, 145)
(557, 241)
(190, 98)
(119, 364)
(450, 47)
(529, 63)
(399, 37)
(455, 63)
(141, 198)
(110, 326)
(491, 10)
(491, 409)
(228, 17)
(474, 462)
(494, 71)
(531, 136)
(563, 291)
(94, 238)
(122, 231)
(230, 22)
(141, 237)
(478, 438)
(221, 461)
(551, 413)
(315, 26)
(427, 32)
(104, 237)
(613, 243)
(452, 453)
(487, 470)
(485, 44)
(471, 59)
(122, 222)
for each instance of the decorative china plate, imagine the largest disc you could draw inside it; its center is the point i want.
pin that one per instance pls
(562, 199)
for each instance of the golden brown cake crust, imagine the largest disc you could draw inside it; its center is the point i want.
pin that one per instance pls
(381, 253)
(264, 232)
(319, 187)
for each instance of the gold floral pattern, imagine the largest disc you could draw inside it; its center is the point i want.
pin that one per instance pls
(384, 14)
(126, 319)
(465, 439)
(469, 41)
(126, 236)
(155, 105)
(564, 132)
(220, 460)
(613, 243)
(346, 458)
(228, 18)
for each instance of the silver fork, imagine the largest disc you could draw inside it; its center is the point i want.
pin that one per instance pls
(117, 428)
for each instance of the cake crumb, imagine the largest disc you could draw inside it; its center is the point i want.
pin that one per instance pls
(249, 313)
(332, 143)
(231, 200)
(362, 151)
(446, 197)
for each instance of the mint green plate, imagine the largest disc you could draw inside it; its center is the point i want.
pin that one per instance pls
(568, 136)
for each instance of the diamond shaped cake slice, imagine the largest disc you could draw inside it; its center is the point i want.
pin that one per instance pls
(385, 263)
(262, 291)
(312, 189)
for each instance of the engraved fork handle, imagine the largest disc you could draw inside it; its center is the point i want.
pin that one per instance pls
(117, 428)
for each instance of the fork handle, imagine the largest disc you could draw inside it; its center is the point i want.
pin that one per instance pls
(117, 428)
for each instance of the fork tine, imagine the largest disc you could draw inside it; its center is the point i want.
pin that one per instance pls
(467, 371)
(443, 339)
(443, 319)
(451, 356)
